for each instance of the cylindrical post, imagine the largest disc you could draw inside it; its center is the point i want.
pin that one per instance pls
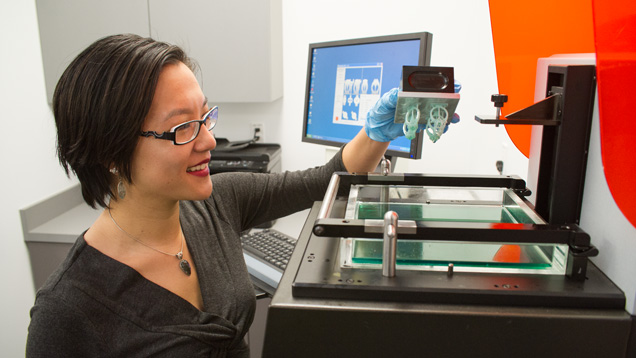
(389, 252)
(330, 197)
(385, 166)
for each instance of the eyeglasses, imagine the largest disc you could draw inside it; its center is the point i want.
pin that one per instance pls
(186, 132)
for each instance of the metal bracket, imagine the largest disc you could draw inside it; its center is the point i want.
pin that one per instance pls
(546, 112)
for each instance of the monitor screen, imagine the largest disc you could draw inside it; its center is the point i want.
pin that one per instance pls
(346, 78)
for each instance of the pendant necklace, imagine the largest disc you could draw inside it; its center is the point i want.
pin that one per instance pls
(184, 265)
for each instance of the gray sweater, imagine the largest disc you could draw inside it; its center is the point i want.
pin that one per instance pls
(95, 306)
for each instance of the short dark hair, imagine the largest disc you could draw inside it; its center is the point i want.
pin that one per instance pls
(100, 104)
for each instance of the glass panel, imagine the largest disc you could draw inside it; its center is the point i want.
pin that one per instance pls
(449, 204)
(492, 205)
(465, 256)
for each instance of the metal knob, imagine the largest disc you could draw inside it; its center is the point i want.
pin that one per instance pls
(498, 100)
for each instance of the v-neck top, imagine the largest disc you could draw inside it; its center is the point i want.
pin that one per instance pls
(96, 306)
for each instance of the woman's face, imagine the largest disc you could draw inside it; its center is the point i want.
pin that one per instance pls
(160, 169)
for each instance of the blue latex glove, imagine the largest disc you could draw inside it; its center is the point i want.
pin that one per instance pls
(458, 86)
(379, 124)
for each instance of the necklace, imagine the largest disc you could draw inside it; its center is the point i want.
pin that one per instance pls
(184, 265)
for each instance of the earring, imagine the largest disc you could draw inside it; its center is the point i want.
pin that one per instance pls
(121, 189)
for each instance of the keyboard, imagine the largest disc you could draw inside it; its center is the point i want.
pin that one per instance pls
(267, 253)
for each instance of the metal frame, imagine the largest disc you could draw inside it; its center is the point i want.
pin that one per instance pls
(329, 224)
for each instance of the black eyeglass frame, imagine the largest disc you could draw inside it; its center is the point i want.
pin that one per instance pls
(171, 135)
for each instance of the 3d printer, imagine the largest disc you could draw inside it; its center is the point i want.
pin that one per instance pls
(460, 265)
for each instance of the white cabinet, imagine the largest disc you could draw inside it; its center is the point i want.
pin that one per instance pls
(237, 44)
(69, 26)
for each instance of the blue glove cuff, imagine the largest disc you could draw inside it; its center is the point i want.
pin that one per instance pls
(376, 134)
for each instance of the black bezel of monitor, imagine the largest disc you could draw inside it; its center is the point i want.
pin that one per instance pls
(424, 59)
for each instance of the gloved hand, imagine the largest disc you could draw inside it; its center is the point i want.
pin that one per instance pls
(379, 124)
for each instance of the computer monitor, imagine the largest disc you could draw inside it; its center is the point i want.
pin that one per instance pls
(346, 78)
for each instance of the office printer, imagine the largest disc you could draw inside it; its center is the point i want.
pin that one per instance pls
(245, 156)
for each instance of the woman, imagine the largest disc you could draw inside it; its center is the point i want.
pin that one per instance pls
(161, 271)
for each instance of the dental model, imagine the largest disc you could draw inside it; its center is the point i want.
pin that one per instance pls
(356, 86)
(375, 86)
(411, 120)
(347, 86)
(435, 123)
(365, 86)
(438, 117)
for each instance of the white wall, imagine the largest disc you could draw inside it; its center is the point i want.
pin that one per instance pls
(30, 171)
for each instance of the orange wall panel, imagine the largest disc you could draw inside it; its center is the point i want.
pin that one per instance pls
(524, 31)
(615, 38)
